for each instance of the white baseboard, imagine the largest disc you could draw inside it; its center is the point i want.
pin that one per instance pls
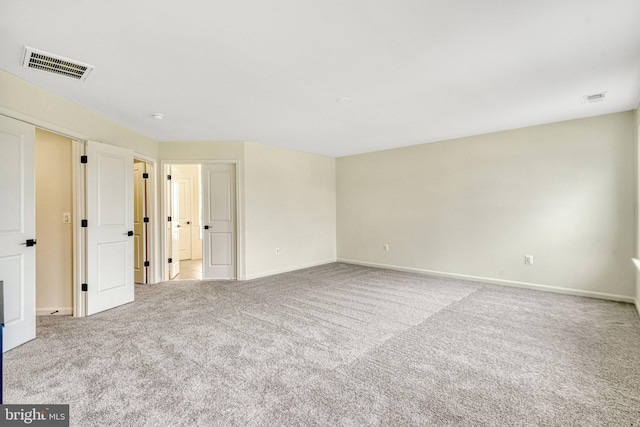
(535, 286)
(288, 269)
(57, 311)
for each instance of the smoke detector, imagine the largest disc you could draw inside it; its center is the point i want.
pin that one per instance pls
(56, 64)
(593, 98)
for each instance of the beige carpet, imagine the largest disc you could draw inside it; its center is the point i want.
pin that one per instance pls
(338, 345)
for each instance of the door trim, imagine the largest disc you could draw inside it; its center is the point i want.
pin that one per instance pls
(79, 234)
(164, 167)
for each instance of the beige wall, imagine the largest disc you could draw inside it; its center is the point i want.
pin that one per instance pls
(564, 193)
(54, 253)
(289, 204)
(28, 102)
(201, 150)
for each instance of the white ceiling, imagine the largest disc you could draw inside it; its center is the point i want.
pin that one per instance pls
(270, 72)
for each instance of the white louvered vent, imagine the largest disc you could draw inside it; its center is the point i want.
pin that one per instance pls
(596, 97)
(56, 64)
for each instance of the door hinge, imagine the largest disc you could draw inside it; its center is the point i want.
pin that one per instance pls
(147, 263)
(84, 287)
(170, 260)
(84, 223)
(169, 218)
(84, 159)
(146, 219)
(169, 177)
(145, 176)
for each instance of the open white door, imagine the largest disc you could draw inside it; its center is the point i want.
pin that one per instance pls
(110, 227)
(219, 221)
(174, 197)
(17, 231)
(139, 224)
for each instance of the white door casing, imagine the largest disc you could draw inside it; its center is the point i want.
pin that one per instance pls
(17, 225)
(109, 189)
(219, 221)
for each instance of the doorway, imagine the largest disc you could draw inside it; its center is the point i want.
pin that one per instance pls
(54, 225)
(104, 247)
(209, 219)
(49, 189)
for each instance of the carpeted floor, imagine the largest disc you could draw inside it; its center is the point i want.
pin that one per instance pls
(338, 345)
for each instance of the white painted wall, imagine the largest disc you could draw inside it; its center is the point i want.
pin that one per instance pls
(564, 193)
(289, 204)
(54, 250)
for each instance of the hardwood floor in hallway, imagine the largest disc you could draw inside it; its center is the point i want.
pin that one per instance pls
(190, 269)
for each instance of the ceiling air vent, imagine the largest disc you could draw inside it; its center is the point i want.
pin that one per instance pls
(56, 64)
(592, 99)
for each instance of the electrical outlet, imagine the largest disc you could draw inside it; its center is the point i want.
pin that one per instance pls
(385, 247)
(277, 251)
(528, 259)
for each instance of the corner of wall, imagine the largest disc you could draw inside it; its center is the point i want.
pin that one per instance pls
(637, 145)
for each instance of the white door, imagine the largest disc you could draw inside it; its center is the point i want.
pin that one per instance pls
(184, 217)
(174, 265)
(139, 227)
(110, 227)
(219, 221)
(17, 225)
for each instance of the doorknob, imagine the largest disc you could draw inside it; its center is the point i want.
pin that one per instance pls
(129, 233)
(188, 222)
(30, 242)
(206, 227)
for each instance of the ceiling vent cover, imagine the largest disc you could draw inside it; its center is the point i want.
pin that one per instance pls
(596, 97)
(56, 64)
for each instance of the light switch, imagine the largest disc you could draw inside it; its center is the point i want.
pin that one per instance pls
(66, 218)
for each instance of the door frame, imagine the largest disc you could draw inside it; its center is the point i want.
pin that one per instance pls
(78, 188)
(164, 168)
